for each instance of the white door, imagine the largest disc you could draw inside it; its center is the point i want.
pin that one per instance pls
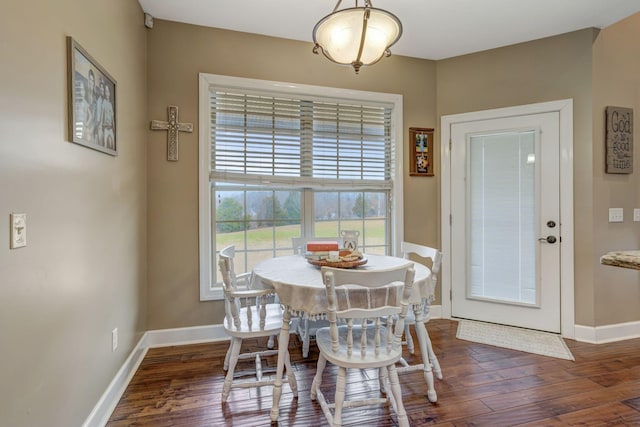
(505, 221)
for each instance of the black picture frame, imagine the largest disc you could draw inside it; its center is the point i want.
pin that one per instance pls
(91, 101)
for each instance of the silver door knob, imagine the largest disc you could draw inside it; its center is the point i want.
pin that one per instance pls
(548, 239)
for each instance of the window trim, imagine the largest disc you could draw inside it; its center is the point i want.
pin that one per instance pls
(208, 292)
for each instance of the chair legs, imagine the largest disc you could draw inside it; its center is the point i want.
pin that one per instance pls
(433, 359)
(306, 338)
(291, 378)
(408, 338)
(396, 397)
(430, 365)
(341, 384)
(226, 358)
(389, 385)
(234, 351)
(316, 394)
(304, 331)
(232, 357)
(383, 377)
(317, 379)
(425, 343)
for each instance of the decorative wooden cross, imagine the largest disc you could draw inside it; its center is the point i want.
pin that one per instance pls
(172, 127)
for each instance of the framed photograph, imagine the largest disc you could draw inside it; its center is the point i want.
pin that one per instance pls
(92, 101)
(421, 151)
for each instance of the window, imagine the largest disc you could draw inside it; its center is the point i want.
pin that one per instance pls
(280, 160)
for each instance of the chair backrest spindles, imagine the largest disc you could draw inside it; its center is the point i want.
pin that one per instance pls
(377, 336)
(232, 305)
(228, 253)
(349, 337)
(422, 251)
(332, 317)
(249, 301)
(249, 313)
(263, 311)
(372, 297)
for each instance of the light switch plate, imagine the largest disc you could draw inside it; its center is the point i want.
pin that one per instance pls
(636, 214)
(18, 230)
(616, 215)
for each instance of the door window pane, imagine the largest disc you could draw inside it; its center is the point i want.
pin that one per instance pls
(502, 212)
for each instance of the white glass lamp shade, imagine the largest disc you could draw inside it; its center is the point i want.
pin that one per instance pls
(357, 36)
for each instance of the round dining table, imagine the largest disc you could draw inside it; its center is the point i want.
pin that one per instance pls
(301, 291)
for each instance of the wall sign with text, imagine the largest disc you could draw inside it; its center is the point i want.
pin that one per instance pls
(619, 137)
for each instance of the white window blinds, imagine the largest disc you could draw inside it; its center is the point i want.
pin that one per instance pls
(309, 143)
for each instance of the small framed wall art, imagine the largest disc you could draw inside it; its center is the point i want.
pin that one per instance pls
(421, 152)
(92, 101)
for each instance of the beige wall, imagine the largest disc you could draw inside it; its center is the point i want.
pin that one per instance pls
(176, 54)
(543, 70)
(572, 65)
(616, 82)
(83, 271)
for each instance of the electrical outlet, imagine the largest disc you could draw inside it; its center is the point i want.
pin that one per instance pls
(616, 215)
(636, 215)
(114, 339)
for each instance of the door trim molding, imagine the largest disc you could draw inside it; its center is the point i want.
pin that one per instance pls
(565, 109)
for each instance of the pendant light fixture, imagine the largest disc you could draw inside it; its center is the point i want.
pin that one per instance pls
(356, 36)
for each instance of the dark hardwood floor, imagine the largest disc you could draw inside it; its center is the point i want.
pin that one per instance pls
(482, 386)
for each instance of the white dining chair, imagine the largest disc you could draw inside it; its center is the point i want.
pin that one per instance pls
(306, 328)
(421, 312)
(240, 281)
(248, 314)
(365, 301)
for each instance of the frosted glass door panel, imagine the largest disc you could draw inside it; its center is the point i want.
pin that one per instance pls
(502, 217)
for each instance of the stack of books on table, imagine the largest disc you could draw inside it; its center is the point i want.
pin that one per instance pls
(319, 251)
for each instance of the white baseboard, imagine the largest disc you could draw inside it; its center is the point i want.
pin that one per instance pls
(184, 336)
(435, 311)
(588, 334)
(155, 338)
(607, 333)
(109, 399)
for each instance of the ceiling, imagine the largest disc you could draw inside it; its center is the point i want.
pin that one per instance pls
(432, 29)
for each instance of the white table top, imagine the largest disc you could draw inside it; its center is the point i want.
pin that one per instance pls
(300, 287)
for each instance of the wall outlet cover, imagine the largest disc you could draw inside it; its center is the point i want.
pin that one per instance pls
(616, 214)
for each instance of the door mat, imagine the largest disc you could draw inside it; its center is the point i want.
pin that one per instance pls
(543, 343)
